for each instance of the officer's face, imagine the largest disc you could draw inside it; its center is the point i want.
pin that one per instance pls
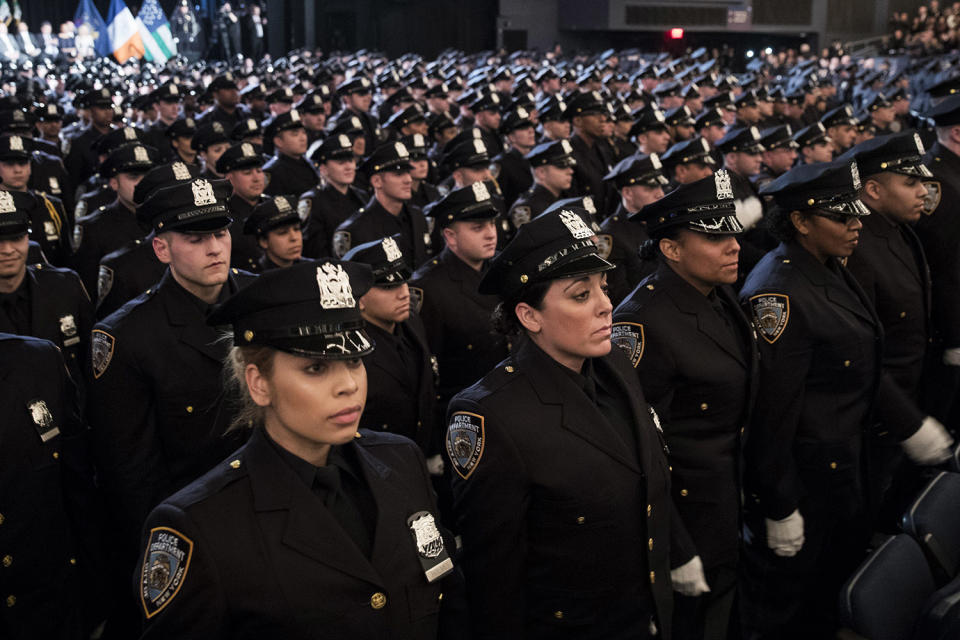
(359, 102)
(622, 128)
(292, 142)
(420, 169)
(313, 121)
(746, 164)
(712, 133)
(781, 159)
(278, 108)
(557, 129)
(395, 185)
(419, 126)
(683, 132)
(473, 240)
(523, 137)
(591, 124)
(247, 183)
(704, 260)
(385, 306)
(466, 176)
(101, 116)
(749, 113)
(556, 179)
(488, 119)
(339, 172)
(49, 129)
(168, 110)
(654, 141)
(438, 105)
(310, 403)
(640, 195)
(827, 234)
(227, 98)
(283, 245)
(819, 152)
(124, 184)
(213, 153)
(843, 135)
(13, 257)
(15, 174)
(573, 321)
(691, 172)
(182, 145)
(898, 196)
(884, 115)
(197, 260)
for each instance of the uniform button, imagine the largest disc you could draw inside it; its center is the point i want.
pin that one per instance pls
(383, 427)
(73, 561)
(581, 520)
(189, 408)
(378, 600)
(234, 464)
(684, 492)
(903, 314)
(508, 369)
(11, 600)
(704, 406)
(56, 455)
(7, 560)
(650, 544)
(833, 465)
(650, 287)
(653, 577)
(558, 615)
(649, 509)
(419, 424)
(469, 347)
(670, 468)
(741, 430)
(846, 363)
(440, 597)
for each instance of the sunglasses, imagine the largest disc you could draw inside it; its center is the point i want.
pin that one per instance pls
(839, 218)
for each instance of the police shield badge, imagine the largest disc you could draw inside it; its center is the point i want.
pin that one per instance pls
(416, 299)
(520, 216)
(431, 552)
(42, 420)
(165, 565)
(104, 283)
(304, 206)
(341, 243)
(771, 312)
(68, 329)
(629, 337)
(932, 200)
(465, 441)
(101, 350)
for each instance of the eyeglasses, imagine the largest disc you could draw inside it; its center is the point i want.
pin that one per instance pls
(839, 218)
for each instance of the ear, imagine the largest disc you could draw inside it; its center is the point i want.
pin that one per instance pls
(871, 188)
(670, 249)
(529, 317)
(262, 241)
(161, 247)
(361, 304)
(800, 222)
(114, 183)
(450, 237)
(376, 181)
(258, 385)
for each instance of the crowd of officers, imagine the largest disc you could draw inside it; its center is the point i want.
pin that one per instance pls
(780, 256)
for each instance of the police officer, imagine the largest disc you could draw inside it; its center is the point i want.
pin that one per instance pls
(288, 170)
(39, 300)
(814, 144)
(779, 154)
(313, 111)
(553, 167)
(387, 212)
(113, 226)
(356, 95)
(445, 293)
(640, 182)
(841, 127)
(226, 108)
(401, 371)
(349, 543)
(276, 226)
(48, 220)
(180, 134)
(890, 266)
(588, 115)
(242, 164)
(423, 191)
(689, 161)
(166, 99)
(553, 118)
(514, 175)
(486, 108)
(324, 208)
(820, 348)
(81, 160)
(650, 130)
(695, 358)
(210, 141)
(551, 451)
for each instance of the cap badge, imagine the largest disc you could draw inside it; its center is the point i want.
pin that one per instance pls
(916, 139)
(344, 141)
(18, 116)
(401, 150)
(173, 90)
(282, 205)
(480, 192)
(217, 127)
(522, 113)
(6, 203)
(391, 249)
(190, 123)
(494, 98)
(575, 224)
(334, 284)
(16, 143)
(566, 146)
(478, 146)
(140, 154)
(52, 109)
(180, 171)
(294, 115)
(129, 133)
(655, 159)
(247, 150)
(418, 140)
(721, 180)
(855, 174)
(588, 204)
(251, 124)
(658, 115)
(203, 194)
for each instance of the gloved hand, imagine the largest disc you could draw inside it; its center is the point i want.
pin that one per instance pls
(785, 536)
(931, 444)
(435, 465)
(688, 579)
(951, 357)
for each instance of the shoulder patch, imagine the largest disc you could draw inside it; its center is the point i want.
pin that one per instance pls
(771, 312)
(341, 243)
(465, 440)
(932, 200)
(416, 299)
(303, 208)
(629, 337)
(77, 235)
(520, 216)
(80, 210)
(604, 245)
(164, 569)
(101, 350)
(104, 282)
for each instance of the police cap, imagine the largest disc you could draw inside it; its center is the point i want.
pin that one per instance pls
(410, 115)
(842, 115)
(517, 118)
(812, 134)
(558, 153)
(271, 214)
(416, 144)
(947, 113)
(585, 103)
(706, 206)
(167, 92)
(182, 128)
(197, 206)
(244, 155)
(467, 203)
(552, 108)
(741, 140)
(208, 135)
(129, 158)
(472, 153)
(119, 137)
(829, 186)
(392, 156)
(333, 147)
(639, 169)
(223, 81)
(385, 259)
(247, 128)
(779, 137)
(282, 122)
(16, 121)
(15, 147)
(648, 118)
(163, 175)
(281, 95)
(15, 207)
(898, 153)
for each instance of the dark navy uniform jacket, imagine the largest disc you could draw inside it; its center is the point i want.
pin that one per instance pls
(126, 273)
(288, 175)
(624, 237)
(322, 210)
(374, 222)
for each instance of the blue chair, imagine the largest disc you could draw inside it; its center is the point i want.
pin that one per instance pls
(884, 598)
(934, 521)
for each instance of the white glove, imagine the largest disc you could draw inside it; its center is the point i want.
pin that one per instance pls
(951, 357)
(785, 536)
(688, 579)
(435, 465)
(931, 444)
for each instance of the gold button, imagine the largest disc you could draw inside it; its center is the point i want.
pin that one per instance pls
(73, 561)
(7, 560)
(903, 314)
(649, 509)
(650, 544)
(384, 427)
(833, 465)
(581, 520)
(846, 363)
(811, 201)
(419, 424)
(378, 600)
(469, 347)
(235, 464)
(248, 335)
(650, 287)
(653, 577)
(786, 261)
(741, 430)
(558, 615)
(704, 406)
(508, 369)
(56, 455)
(684, 492)
(357, 435)
(440, 597)
(11, 600)
(524, 278)
(189, 408)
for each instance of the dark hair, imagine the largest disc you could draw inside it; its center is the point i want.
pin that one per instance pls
(505, 321)
(780, 225)
(248, 413)
(650, 250)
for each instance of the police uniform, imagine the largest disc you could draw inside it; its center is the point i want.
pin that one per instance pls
(623, 233)
(271, 213)
(349, 549)
(820, 357)
(696, 360)
(81, 161)
(592, 161)
(216, 113)
(245, 252)
(287, 174)
(456, 315)
(514, 175)
(425, 192)
(125, 274)
(168, 92)
(207, 135)
(535, 200)
(49, 581)
(374, 222)
(778, 137)
(371, 130)
(561, 486)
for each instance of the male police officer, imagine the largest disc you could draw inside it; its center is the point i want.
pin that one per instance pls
(242, 164)
(288, 170)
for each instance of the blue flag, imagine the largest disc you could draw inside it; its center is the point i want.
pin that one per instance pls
(87, 14)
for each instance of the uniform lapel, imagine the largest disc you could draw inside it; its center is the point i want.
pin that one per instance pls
(186, 320)
(464, 275)
(390, 504)
(831, 283)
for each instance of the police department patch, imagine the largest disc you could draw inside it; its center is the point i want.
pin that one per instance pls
(520, 216)
(101, 349)
(465, 441)
(604, 245)
(416, 299)
(629, 337)
(165, 565)
(303, 209)
(104, 283)
(341, 243)
(932, 200)
(771, 312)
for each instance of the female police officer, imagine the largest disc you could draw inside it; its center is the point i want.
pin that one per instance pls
(694, 354)
(560, 481)
(312, 529)
(819, 370)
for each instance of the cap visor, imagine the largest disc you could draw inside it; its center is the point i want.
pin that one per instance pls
(590, 262)
(200, 225)
(723, 225)
(342, 345)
